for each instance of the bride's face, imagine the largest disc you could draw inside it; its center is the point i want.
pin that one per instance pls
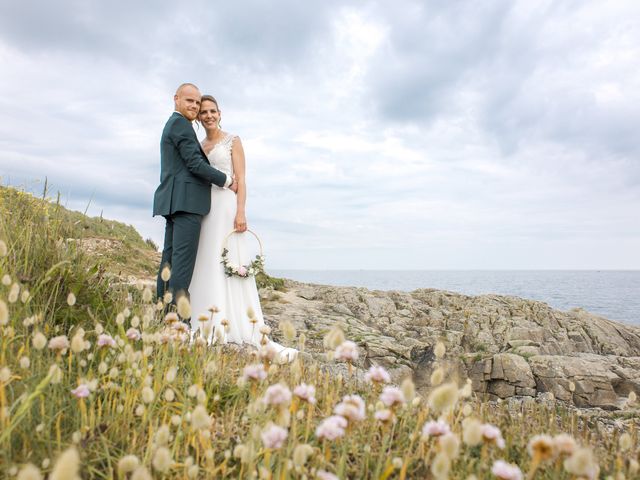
(209, 114)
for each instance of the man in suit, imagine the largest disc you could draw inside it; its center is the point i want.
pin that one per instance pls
(184, 194)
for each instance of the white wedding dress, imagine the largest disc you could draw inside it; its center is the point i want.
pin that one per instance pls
(232, 296)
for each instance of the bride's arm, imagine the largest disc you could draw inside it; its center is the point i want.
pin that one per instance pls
(237, 157)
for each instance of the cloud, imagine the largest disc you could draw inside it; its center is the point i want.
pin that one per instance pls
(429, 134)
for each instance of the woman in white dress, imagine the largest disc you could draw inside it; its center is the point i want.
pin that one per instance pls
(232, 297)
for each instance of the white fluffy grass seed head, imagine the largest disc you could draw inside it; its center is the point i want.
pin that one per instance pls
(128, 464)
(29, 472)
(444, 397)
(67, 466)
(184, 307)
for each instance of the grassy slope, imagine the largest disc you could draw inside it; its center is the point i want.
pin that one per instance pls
(131, 396)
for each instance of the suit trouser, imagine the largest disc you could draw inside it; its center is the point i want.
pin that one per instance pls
(181, 237)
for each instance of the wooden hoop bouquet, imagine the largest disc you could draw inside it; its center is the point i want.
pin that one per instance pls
(242, 271)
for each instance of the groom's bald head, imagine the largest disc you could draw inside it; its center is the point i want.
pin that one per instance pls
(187, 100)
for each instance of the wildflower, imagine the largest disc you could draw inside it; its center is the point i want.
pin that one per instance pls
(5, 374)
(251, 312)
(324, 475)
(146, 295)
(301, 454)
(200, 419)
(277, 394)
(192, 471)
(331, 427)
(82, 391)
(564, 444)
(471, 431)
(4, 313)
(450, 445)
(347, 351)
(162, 436)
(3, 249)
(268, 352)
(492, 434)
(147, 395)
(506, 471)
(542, 447)
(55, 374)
(29, 472)
(169, 395)
(77, 342)
(66, 466)
(392, 396)
(384, 415)
(254, 372)
(441, 466)
(13, 293)
(165, 275)
(167, 297)
(273, 436)
(141, 473)
(625, 442)
(467, 390)
(6, 280)
(352, 408)
(170, 376)
(305, 392)
(71, 299)
(133, 334)
(24, 362)
(435, 429)
(192, 391)
(439, 350)
(59, 343)
(39, 341)
(25, 296)
(106, 340)
(265, 330)
(288, 330)
(437, 376)
(377, 374)
(162, 460)
(467, 410)
(444, 397)
(333, 338)
(184, 307)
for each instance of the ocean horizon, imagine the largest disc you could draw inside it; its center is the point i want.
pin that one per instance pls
(613, 294)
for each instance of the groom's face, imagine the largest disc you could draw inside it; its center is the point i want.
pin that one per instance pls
(188, 102)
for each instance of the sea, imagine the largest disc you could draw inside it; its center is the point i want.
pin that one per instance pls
(613, 294)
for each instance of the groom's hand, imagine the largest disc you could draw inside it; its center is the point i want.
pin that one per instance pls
(234, 185)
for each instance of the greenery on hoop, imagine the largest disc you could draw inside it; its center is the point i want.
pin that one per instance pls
(242, 271)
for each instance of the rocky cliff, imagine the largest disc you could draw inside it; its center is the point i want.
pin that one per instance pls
(508, 346)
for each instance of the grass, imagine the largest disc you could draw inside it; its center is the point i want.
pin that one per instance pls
(159, 404)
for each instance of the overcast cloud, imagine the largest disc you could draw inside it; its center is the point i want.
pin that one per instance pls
(412, 134)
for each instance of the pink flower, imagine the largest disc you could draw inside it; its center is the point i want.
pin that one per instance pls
(254, 372)
(106, 340)
(324, 475)
(435, 429)
(273, 436)
(133, 334)
(352, 408)
(82, 391)
(277, 394)
(242, 271)
(391, 396)
(377, 374)
(384, 415)
(305, 392)
(492, 434)
(347, 351)
(180, 327)
(331, 427)
(60, 342)
(506, 471)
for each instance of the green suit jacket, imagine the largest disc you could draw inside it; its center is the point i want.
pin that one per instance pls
(185, 173)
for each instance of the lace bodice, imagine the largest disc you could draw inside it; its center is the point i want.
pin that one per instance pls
(220, 155)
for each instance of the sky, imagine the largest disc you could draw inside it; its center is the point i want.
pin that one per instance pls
(378, 135)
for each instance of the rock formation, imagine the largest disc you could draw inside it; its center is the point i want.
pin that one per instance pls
(508, 346)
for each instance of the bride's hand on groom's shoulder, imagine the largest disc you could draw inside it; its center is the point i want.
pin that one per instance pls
(240, 223)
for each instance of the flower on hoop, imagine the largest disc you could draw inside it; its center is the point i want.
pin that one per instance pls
(242, 271)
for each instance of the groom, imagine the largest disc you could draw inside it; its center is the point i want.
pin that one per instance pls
(184, 194)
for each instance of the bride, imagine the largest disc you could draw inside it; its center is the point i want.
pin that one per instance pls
(235, 299)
